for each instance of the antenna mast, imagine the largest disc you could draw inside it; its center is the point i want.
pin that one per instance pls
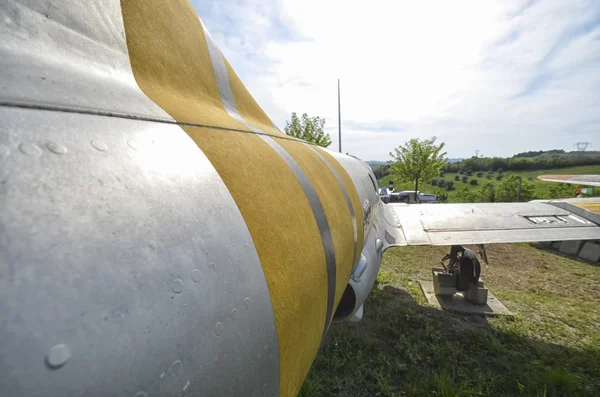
(339, 118)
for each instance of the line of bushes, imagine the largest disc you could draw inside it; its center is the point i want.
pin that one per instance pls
(476, 164)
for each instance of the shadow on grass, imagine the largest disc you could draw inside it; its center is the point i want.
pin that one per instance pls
(401, 348)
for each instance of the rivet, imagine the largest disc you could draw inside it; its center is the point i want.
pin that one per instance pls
(175, 368)
(234, 314)
(58, 356)
(247, 302)
(99, 145)
(219, 328)
(30, 149)
(56, 148)
(196, 275)
(247, 247)
(177, 286)
(4, 151)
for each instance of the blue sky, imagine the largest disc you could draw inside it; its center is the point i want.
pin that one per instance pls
(499, 77)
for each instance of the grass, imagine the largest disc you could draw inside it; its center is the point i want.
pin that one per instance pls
(403, 347)
(542, 189)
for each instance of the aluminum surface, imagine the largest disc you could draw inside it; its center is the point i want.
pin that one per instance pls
(71, 55)
(480, 223)
(580, 207)
(127, 268)
(218, 63)
(368, 267)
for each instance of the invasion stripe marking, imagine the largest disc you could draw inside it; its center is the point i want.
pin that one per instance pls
(346, 195)
(313, 199)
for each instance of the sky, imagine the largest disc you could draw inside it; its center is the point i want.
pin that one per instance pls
(498, 77)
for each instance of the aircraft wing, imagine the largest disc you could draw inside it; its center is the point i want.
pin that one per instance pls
(483, 223)
(586, 180)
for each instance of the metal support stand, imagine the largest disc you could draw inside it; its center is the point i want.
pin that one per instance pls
(461, 275)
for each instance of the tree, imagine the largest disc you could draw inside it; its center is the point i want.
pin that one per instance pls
(441, 195)
(308, 129)
(562, 190)
(487, 193)
(381, 171)
(465, 195)
(418, 161)
(506, 191)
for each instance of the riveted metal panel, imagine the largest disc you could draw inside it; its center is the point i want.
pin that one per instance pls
(126, 267)
(69, 55)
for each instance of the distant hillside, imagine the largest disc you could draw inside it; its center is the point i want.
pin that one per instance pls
(375, 163)
(571, 155)
(538, 160)
(551, 159)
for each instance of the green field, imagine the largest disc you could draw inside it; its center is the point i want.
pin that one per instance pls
(404, 347)
(541, 188)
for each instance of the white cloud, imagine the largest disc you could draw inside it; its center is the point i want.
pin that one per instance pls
(496, 76)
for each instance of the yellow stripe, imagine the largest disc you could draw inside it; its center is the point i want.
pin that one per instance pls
(170, 61)
(287, 240)
(336, 210)
(354, 197)
(171, 64)
(247, 107)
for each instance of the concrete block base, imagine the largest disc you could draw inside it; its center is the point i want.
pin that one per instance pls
(477, 294)
(570, 247)
(458, 303)
(590, 251)
(443, 284)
